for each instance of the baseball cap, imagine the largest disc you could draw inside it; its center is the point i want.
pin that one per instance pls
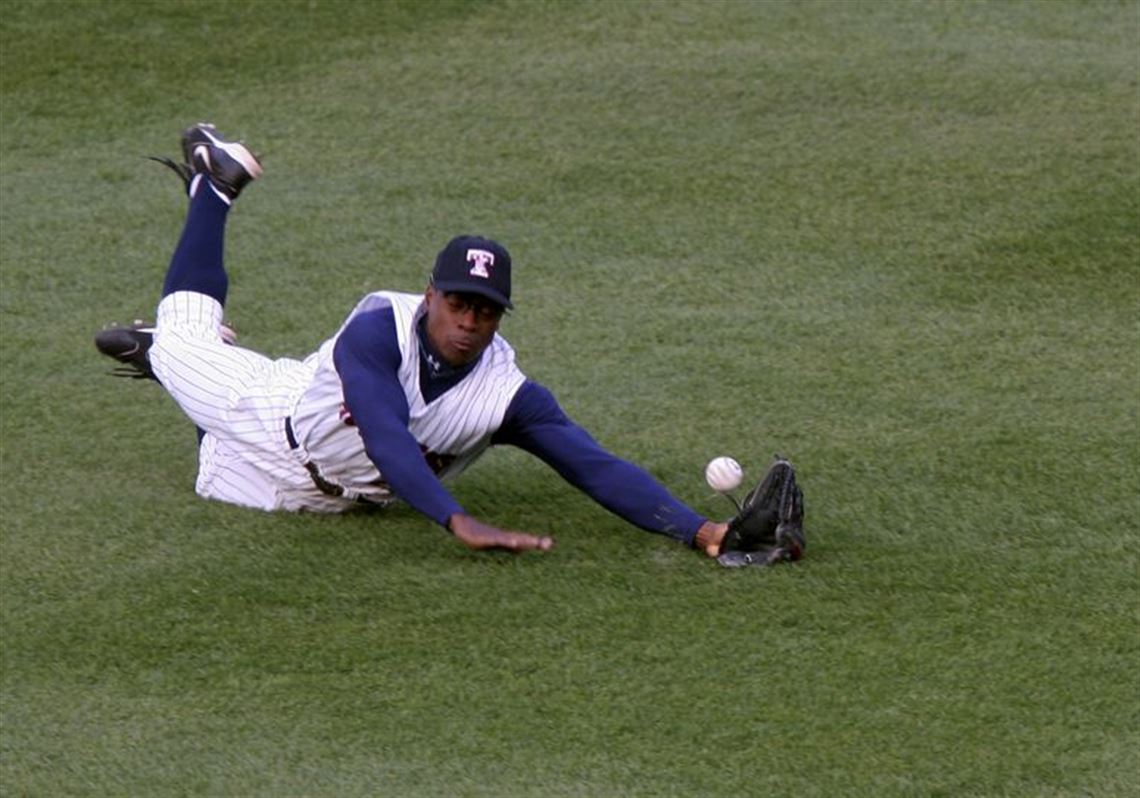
(474, 265)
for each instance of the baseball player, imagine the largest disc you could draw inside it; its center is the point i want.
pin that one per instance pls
(408, 392)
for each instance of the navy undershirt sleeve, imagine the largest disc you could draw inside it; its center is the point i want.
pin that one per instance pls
(536, 423)
(367, 358)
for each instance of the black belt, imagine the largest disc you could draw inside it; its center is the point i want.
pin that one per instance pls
(289, 436)
(323, 485)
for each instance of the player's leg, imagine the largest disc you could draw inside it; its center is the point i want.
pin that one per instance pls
(227, 476)
(212, 165)
(190, 356)
(215, 172)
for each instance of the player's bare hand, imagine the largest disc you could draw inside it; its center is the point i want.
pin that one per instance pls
(476, 535)
(710, 537)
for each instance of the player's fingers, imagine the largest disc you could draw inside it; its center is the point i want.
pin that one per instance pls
(523, 542)
(477, 535)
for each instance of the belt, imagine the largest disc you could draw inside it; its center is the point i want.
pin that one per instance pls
(323, 485)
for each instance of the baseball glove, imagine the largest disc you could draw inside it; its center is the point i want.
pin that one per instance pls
(770, 525)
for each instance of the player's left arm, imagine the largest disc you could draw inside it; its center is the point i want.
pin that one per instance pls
(367, 358)
(536, 423)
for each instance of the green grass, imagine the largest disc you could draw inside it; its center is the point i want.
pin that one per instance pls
(897, 242)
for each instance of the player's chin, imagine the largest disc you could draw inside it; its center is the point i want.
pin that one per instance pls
(464, 350)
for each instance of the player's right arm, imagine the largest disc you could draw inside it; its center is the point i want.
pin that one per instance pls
(367, 359)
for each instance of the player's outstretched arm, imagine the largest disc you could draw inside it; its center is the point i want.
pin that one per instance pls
(476, 535)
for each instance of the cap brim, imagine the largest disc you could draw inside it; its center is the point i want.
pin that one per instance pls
(469, 288)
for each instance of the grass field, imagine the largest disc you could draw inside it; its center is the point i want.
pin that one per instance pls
(897, 242)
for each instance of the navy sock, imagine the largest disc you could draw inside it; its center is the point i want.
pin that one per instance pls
(197, 263)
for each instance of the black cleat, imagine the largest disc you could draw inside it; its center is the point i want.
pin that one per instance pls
(130, 347)
(229, 165)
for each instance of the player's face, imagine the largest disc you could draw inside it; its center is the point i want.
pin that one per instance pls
(461, 326)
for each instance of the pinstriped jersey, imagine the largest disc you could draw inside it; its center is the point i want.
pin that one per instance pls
(452, 430)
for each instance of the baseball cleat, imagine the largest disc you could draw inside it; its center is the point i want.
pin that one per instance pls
(130, 346)
(229, 165)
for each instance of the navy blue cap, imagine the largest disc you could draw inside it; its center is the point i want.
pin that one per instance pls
(474, 265)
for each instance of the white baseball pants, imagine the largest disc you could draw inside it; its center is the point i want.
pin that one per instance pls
(240, 399)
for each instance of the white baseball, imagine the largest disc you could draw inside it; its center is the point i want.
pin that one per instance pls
(723, 474)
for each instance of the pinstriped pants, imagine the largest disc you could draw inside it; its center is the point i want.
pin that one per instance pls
(240, 399)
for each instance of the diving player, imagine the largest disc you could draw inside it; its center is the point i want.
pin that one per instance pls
(409, 391)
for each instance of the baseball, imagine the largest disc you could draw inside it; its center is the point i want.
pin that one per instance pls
(723, 474)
